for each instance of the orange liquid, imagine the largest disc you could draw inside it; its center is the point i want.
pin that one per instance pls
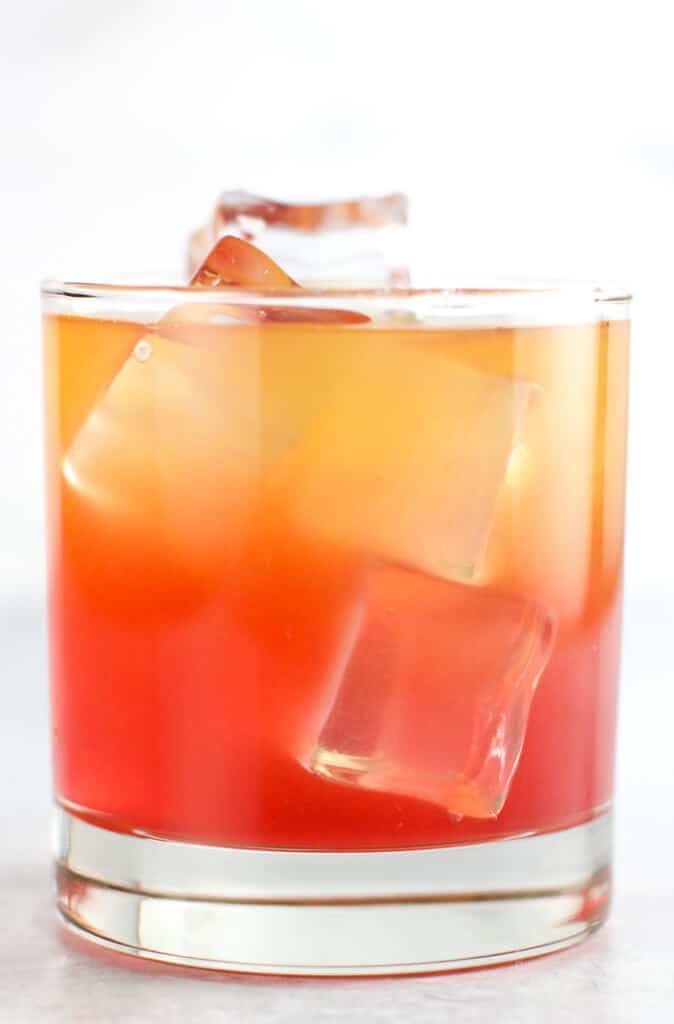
(216, 510)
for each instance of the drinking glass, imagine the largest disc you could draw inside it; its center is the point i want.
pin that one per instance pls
(335, 592)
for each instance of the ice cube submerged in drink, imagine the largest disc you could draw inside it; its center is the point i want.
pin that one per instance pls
(332, 568)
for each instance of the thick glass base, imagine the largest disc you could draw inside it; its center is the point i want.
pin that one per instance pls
(282, 912)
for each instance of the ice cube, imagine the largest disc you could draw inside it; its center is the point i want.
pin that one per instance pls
(408, 454)
(233, 262)
(354, 240)
(435, 699)
(82, 371)
(160, 474)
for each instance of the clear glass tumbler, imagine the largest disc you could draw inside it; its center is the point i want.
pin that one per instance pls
(335, 593)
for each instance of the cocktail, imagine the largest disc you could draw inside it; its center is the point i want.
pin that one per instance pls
(335, 592)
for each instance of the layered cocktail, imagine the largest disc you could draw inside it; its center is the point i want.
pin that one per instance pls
(335, 589)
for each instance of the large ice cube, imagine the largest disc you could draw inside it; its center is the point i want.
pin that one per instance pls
(408, 453)
(435, 698)
(160, 475)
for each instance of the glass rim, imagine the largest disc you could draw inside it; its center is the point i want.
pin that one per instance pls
(494, 288)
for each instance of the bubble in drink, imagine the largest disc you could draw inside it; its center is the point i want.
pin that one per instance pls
(143, 350)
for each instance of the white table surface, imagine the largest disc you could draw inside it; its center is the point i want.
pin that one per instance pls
(624, 973)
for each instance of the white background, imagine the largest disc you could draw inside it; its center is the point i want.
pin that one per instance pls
(532, 138)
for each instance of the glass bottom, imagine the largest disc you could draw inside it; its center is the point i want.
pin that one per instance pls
(283, 912)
